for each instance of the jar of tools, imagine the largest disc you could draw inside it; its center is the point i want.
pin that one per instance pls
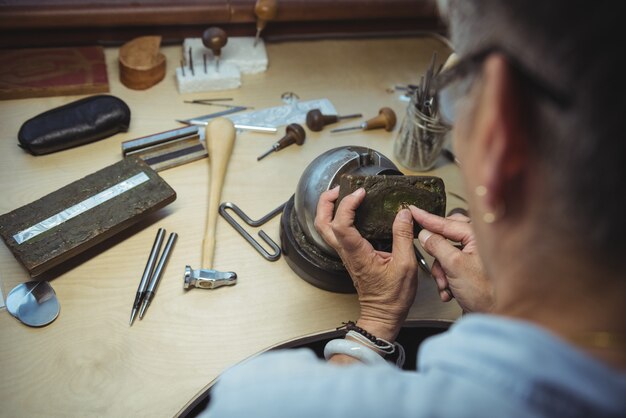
(420, 138)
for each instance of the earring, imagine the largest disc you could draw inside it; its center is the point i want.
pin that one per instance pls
(488, 217)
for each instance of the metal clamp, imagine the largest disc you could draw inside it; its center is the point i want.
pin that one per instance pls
(266, 254)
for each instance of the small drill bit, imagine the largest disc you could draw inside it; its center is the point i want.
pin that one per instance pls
(227, 105)
(215, 39)
(203, 101)
(158, 272)
(147, 274)
(386, 119)
(191, 62)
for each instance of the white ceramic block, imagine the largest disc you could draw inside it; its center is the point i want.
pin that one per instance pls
(239, 51)
(228, 77)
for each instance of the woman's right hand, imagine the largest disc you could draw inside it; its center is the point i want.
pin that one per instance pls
(458, 269)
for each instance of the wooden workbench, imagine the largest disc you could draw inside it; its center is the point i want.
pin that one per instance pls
(89, 362)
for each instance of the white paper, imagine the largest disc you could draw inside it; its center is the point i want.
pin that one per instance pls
(273, 117)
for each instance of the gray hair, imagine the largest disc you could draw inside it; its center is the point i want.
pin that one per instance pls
(573, 46)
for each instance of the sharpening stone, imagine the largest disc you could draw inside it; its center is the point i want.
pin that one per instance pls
(78, 216)
(239, 51)
(227, 78)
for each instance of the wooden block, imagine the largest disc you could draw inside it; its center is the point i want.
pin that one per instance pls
(78, 216)
(142, 65)
(43, 72)
(386, 195)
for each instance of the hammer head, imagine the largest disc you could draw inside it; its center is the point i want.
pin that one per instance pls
(208, 279)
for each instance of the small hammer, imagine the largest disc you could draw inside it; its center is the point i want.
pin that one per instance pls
(220, 139)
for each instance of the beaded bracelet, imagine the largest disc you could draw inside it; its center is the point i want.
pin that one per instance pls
(351, 326)
(386, 349)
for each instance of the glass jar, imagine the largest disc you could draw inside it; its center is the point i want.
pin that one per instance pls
(420, 139)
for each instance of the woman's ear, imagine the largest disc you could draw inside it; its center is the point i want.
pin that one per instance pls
(500, 133)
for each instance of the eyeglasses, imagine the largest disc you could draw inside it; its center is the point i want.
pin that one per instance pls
(450, 88)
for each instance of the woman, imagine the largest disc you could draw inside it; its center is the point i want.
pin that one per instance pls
(538, 96)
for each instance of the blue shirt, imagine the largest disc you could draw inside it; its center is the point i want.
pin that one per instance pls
(484, 366)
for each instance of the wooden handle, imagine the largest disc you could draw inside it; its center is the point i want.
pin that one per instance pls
(386, 119)
(220, 139)
(265, 10)
(215, 39)
(316, 120)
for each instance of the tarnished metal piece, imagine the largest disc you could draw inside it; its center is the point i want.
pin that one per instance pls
(387, 195)
(208, 279)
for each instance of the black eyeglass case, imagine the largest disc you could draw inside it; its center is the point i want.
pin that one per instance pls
(77, 123)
